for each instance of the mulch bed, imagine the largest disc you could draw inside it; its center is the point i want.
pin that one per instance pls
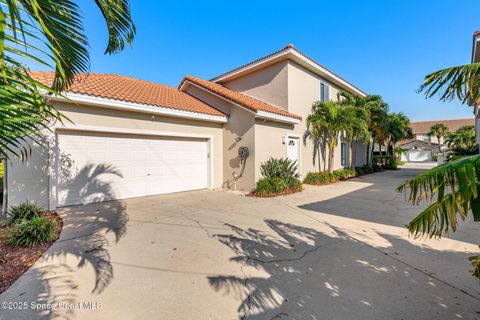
(15, 261)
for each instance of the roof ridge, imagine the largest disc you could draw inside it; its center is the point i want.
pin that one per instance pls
(288, 47)
(456, 119)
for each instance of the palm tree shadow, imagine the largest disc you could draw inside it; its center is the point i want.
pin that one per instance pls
(88, 231)
(296, 272)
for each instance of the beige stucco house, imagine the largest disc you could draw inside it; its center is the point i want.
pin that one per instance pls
(129, 138)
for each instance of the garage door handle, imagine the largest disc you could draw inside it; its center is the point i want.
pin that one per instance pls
(148, 174)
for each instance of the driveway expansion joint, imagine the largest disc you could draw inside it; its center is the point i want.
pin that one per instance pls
(386, 254)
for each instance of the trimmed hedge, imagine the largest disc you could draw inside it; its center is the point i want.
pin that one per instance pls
(326, 177)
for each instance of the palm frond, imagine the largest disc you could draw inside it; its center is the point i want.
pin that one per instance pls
(50, 33)
(462, 82)
(119, 23)
(454, 190)
(475, 261)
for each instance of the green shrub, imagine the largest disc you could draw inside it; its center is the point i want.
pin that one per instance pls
(294, 184)
(385, 162)
(270, 186)
(28, 233)
(323, 177)
(367, 170)
(279, 175)
(283, 168)
(24, 211)
(344, 174)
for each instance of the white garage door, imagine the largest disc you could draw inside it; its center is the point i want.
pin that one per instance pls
(95, 167)
(419, 155)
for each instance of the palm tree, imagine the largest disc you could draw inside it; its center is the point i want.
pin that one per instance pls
(462, 141)
(377, 111)
(331, 118)
(397, 127)
(452, 189)
(357, 128)
(57, 25)
(439, 131)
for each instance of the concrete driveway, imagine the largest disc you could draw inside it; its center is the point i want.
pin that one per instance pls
(331, 252)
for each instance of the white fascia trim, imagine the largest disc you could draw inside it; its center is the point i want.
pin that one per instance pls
(75, 127)
(276, 117)
(215, 94)
(299, 56)
(259, 114)
(136, 107)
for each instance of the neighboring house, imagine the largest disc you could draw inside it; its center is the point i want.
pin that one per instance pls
(423, 146)
(130, 138)
(419, 151)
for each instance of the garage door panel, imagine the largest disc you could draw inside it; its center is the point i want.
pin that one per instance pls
(123, 166)
(419, 155)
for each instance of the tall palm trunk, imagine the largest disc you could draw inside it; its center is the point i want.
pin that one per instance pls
(331, 157)
(368, 153)
(319, 156)
(350, 155)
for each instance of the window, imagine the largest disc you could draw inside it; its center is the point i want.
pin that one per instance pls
(324, 92)
(427, 138)
(344, 153)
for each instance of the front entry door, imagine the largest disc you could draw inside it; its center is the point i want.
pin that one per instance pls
(293, 148)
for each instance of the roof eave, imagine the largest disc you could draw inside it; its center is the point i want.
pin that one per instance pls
(135, 107)
(296, 56)
(260, 114)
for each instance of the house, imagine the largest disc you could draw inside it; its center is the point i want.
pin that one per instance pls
(423, 146)
(129, 138)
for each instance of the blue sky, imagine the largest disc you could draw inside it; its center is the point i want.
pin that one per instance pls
(383, 47)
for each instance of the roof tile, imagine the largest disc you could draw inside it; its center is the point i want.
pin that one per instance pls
(419, 127)
(240, 98)
(122, 88)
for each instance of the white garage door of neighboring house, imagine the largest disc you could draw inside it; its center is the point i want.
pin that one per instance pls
(95, 167)
(419, 155)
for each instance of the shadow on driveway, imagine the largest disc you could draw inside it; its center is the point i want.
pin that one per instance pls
(308, 274)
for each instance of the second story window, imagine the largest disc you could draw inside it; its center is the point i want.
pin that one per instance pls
(324, 92)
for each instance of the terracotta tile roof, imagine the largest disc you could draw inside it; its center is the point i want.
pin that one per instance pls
(117, 87)
(287, 47)
(240, 98)
(419, 127)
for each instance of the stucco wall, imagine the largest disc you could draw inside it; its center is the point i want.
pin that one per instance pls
(238, 132)
(268, 142)
(303, 91)
(269, 84)
(29, 180)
